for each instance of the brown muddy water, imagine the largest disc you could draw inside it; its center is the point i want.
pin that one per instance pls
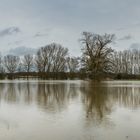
(69, 110)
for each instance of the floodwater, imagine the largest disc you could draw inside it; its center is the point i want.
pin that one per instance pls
(69, 110)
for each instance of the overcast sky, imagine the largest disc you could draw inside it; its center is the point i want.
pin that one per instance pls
(35, 23)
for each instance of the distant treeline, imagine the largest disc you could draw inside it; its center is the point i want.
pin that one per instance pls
(98, 61)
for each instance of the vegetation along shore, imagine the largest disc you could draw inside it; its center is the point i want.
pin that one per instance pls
(98, 60)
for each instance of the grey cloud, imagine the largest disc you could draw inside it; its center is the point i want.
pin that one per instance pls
(69, 18)
(15, 43)
(9, 31)
(43, 33)
(129, 26)
(19, 51)
(127, 37)
(40, 34)
(135, 46)
(121, 29)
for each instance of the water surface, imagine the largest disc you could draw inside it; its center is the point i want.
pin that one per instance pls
(69, 110)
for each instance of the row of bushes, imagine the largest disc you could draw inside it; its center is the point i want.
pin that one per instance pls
(44, 75)
(68, 75)
(126, 77)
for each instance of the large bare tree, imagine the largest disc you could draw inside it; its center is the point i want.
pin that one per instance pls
(96, 52)
(51, 58)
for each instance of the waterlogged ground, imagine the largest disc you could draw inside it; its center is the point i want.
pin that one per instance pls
(69, 110)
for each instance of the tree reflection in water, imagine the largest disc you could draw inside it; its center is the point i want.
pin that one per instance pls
(98, 99)
(97, 102)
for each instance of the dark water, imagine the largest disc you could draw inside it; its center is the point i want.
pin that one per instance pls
(69, 110)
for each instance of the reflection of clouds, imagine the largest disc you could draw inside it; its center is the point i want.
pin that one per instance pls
(7, 124)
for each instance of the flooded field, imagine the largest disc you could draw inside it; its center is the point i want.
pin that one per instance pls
(69, 110)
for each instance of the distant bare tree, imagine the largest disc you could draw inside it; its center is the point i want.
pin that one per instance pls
(96, 53)
(20, 67)
(11, 63)
(58, 60)
(2, 70)
(127, 61)
(73, 64)
(41, 59)
(28, 62)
